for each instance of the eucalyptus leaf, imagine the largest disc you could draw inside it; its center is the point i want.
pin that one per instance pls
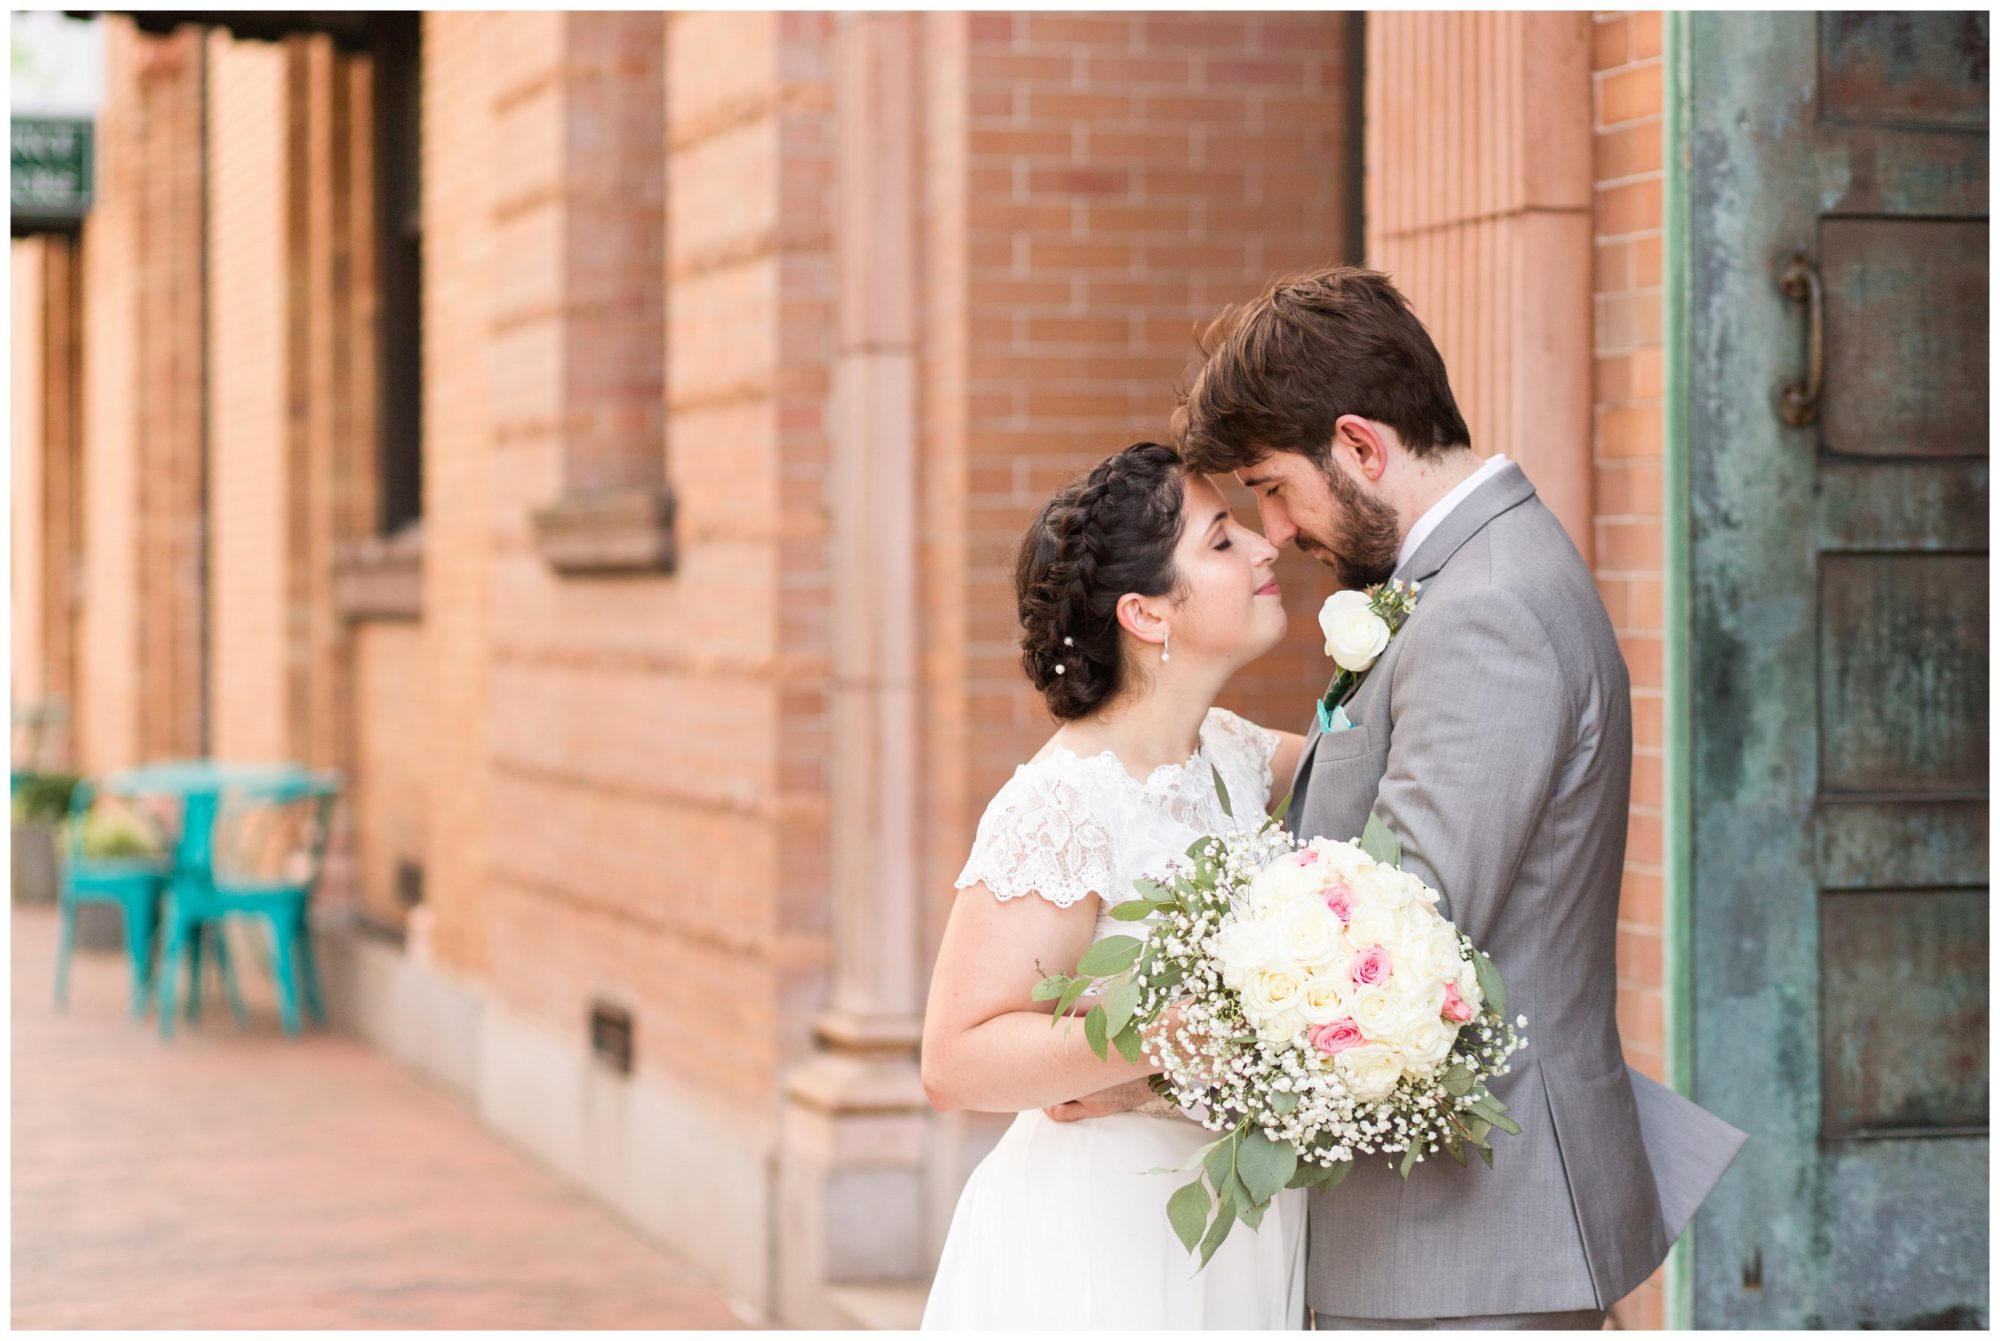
(1409, 1160)
(1128, 1044)
(1456, 1149)
(1265, 1165)
(1221, 791)
(1380, 842)
(1070, 995)
(1113, 954)
(1458, 1082)
(1188, 1210)
(1485, 1153)
(1252, 1213)
(1049, 988)
(1118, 1007)
(1219, 1161)
(1284, 1101)
(1337, 1172)
(1490, 983)
(1218, 1230)
(1132, 910)
(1152, 891)
(1093, 1031)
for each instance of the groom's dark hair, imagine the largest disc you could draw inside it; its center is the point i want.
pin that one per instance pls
(1276, 373)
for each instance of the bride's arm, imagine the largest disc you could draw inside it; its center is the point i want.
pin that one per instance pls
(986, 1045)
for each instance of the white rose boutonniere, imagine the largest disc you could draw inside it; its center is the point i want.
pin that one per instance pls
(1358, 626)
(1355, 634)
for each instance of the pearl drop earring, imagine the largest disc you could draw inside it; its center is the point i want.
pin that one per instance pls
(1166, 644)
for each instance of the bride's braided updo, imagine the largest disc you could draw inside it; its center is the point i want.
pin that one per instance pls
(1111, 532)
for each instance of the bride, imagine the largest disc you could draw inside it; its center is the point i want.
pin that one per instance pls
(1139, 596)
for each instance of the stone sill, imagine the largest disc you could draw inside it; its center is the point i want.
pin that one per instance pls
(381, 577)
(626, 532)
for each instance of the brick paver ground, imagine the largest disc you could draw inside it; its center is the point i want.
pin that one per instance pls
(233, 1178)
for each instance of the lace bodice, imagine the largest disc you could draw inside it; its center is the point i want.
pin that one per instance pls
(1065, 826)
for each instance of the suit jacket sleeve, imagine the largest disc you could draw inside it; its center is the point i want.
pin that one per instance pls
(1480, 724)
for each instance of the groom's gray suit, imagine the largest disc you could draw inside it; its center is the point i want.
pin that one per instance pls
(1494, 737)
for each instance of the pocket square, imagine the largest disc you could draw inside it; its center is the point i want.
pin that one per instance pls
(1335, 721)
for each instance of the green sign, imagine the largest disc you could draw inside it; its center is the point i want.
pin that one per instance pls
(52, 162)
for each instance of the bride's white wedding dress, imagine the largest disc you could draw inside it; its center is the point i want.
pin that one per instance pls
(1062, 1225)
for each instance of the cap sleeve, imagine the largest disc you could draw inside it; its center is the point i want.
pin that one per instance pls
(1038, 836)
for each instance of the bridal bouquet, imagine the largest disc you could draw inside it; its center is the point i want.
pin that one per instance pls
(1322, 1010)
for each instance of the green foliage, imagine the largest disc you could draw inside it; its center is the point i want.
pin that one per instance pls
(43, 798)
(1113, 954)
(1489, 983)
(1380, 842)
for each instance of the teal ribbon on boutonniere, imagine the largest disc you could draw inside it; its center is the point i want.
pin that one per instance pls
(1359, 627)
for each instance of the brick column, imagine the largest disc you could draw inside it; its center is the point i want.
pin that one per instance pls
(1479, 205)
(856, 1116)
(602, 210)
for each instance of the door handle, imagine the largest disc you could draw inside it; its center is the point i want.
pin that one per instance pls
(1798, 401)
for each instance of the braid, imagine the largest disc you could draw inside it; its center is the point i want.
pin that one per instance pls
(1111, 532)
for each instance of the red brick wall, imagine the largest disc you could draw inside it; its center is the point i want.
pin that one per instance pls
(1629, 383)
(1123, 177)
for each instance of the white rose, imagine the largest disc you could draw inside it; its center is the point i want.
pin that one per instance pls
(1283, 881)
(1271, 993)
(1341, 859)
(1371, 924)
(1323, 999)
(1382, 886)
(1281, 1027)
(1372, 1071)
(1437, 956)
(1378, 1012)
(1428, 1042)
(1311, 932)
(1245, 947)
(1355, 634)
(1468, 987)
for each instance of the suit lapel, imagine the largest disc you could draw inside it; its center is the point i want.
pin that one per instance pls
(1506, 490)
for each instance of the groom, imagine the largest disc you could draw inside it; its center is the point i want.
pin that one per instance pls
(1494, 737)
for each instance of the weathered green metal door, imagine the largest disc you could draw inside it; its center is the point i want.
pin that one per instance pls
(1837, 435)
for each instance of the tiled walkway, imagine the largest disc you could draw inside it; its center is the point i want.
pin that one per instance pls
(232, 1178)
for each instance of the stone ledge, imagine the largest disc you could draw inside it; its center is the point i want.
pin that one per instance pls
(629, 531)
(381, 577)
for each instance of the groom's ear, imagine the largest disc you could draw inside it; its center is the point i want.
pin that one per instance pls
(1365, 443)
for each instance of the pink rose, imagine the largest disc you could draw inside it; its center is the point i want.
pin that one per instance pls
(1336, 1038)
(1455, 1009)
(1370, 967)
(1308, 856)
(1340, 899)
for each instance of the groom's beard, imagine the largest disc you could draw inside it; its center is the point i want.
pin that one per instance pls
(1364, 553)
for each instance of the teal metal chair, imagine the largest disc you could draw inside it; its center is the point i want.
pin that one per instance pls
(267, 850)
(134, 882)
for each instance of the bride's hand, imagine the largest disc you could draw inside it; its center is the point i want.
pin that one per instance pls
(1118, 1099)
